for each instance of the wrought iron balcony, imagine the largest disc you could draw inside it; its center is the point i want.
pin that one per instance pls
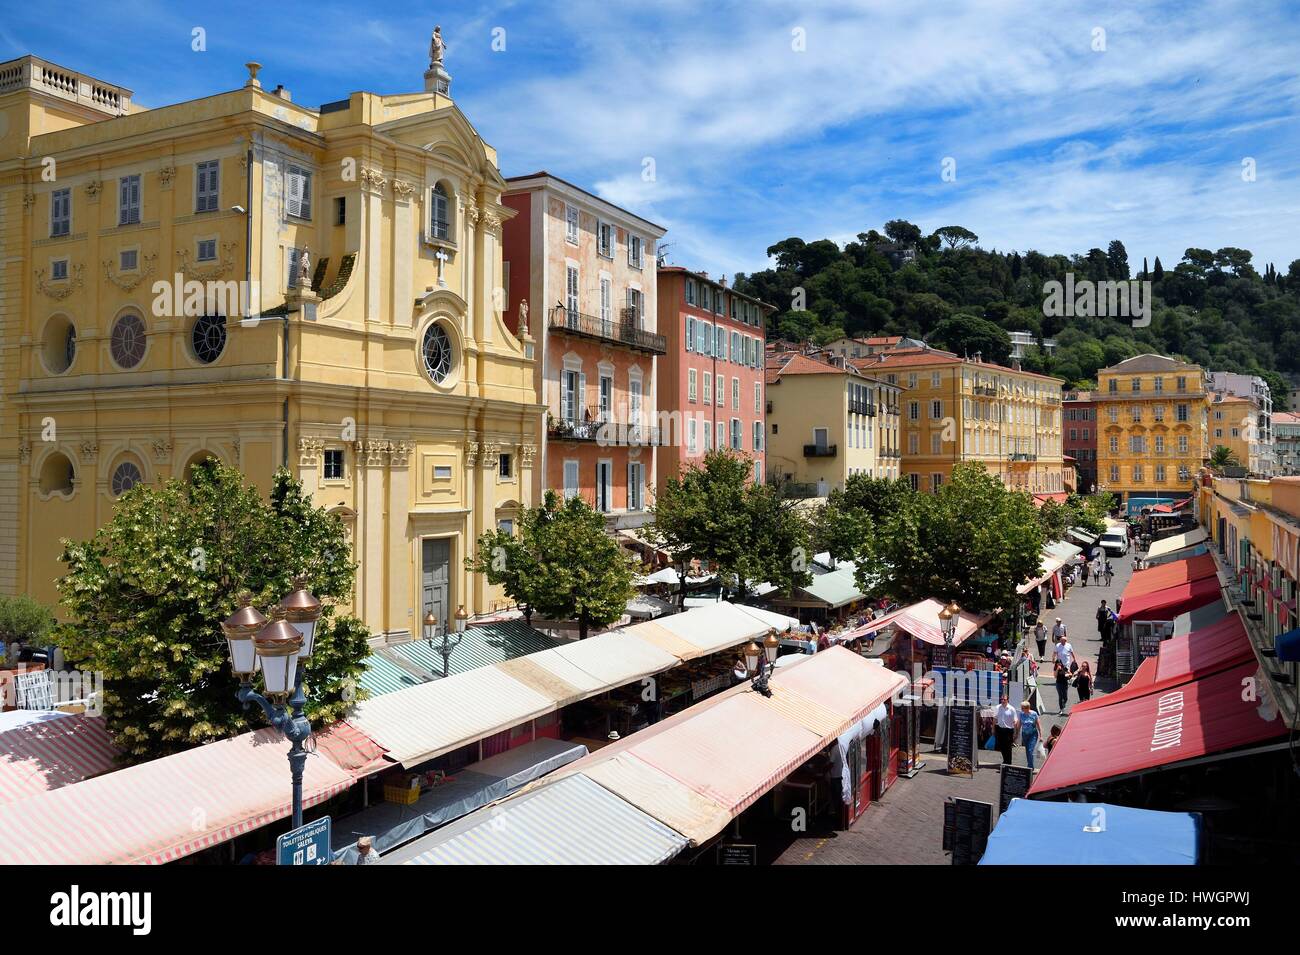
(613, 434)
(862, 407)
(820, 450)
(1017, 456)
(624, 331)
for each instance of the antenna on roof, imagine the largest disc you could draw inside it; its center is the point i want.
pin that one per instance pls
(661, 254)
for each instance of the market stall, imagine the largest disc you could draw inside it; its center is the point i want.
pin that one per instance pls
(1086, 833)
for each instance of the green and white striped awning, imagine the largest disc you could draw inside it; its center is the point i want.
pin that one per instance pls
(571, 822)
(480, 645)
(382, 676)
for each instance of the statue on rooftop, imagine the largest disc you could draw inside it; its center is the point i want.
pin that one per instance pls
(436, 48)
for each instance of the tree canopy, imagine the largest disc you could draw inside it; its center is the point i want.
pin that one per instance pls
(147, 593)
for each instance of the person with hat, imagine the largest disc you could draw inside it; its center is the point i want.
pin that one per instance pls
(366, 854)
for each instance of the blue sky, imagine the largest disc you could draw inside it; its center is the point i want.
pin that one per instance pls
(1058, 146)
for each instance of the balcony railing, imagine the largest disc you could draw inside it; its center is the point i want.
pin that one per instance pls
(614, 434)
(820, 450)
(624, 331)
(862, 407)
(891, 453)
(987, 390)
(1021, 456)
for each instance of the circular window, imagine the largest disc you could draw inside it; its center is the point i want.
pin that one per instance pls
(208, 338)
(127, 340)
(437, 353)
(125, 477)
(59, 347)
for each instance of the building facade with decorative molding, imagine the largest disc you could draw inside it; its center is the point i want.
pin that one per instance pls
(247, 278)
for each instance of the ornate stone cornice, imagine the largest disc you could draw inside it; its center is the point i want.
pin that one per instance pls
(375, 452)
(128, 282)
(61, 289)
(471, 214)
(203, 273)
(372, 180)
(403, 190)
(492, 223)
(309, 450)
(88, 450)
(162, 451)
(526, 452)
(471, 454)
(489, 454)
(399, 454)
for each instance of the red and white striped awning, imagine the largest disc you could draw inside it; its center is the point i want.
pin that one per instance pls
(167, 808)
(57, 751)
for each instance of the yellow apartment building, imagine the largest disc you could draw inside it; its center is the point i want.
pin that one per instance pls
(1152, 428)
(272, 284)
(955, 409)
(1233, 425)
(827, 422)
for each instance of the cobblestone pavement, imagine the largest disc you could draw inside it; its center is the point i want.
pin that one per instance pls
(906, 826)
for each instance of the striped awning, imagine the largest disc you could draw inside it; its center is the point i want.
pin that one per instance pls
(543, 828)
(480, 645)
(382, 675)
(52, 753)
(168, 808)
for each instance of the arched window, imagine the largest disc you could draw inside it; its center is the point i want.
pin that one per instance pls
(59, 346)
(125, 476)
(440, 213)
(437, 353)
(126, 341)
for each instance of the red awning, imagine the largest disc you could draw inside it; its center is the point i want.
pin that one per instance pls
(1169, 575)
(1183, 503)
(1192, 656)
(1058, 496)
(921, 620)
(1199, 718)
(53, 752)
(1170, 602)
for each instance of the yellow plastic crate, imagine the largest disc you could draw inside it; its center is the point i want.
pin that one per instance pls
(402, 795)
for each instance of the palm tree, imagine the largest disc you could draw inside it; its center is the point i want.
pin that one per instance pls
(1222, 458)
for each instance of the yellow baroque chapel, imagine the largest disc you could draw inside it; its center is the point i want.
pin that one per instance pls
(251, 279)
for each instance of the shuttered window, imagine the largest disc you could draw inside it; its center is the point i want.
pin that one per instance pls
(297, 182)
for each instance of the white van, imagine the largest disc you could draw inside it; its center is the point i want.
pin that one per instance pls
(1115, 542)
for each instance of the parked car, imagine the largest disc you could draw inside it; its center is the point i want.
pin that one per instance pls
(1115, 543)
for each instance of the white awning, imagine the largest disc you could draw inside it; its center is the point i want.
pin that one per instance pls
(1169, 544)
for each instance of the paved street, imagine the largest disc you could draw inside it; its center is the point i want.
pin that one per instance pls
(906, 826)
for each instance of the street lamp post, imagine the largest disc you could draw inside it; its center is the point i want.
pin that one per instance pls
(761, 661)
(280, 648)
(447, 643)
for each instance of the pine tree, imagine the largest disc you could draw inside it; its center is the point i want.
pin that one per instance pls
(1159, 273)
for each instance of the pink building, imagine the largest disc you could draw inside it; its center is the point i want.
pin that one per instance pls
(712, 377)
(586, 268)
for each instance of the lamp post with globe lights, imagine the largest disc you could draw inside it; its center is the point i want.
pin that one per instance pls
(278, 648)
(761, 661)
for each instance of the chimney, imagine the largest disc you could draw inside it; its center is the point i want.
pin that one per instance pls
(283, 93)
(723, 281)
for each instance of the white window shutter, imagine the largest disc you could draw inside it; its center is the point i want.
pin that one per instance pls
(582, 397)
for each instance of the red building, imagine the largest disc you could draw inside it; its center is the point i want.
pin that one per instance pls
(1079, 436)
(711, 378)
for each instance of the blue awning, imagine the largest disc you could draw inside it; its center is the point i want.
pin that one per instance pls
(543, 828)
(1114, 835)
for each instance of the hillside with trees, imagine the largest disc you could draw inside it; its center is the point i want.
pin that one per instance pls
(1214, 308)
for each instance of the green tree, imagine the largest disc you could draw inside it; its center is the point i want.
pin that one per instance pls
(955, 236)
(968, 334)
(563, 565)
(146, 596)
(1222, 457)
(24, 620)
(972, 540)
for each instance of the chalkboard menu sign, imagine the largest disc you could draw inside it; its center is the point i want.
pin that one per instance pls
(966, 827)
(1014, 784)
(941, 657)
(737, 853)
(962, 755)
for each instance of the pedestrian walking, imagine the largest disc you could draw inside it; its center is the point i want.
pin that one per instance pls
(1040, 637)
(1062, 686)
(1083, 681)
(1096, 570)
(1083, 569)
(1110, 573)
(1064, 653)
(1006, 721)
(1028, 731)
(1053, 737)
(1058, 631)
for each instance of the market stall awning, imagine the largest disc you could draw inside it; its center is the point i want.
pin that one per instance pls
(1168, 545)
(1181, 659)
(1170, 575)
(392, 824)
(480, 645)
(715, 627)
(1057, 496)
(571, 822)
(167, 808)
(1171, 601)
(1159, 728)
(1082, 833)
(921, 620)
(1200, 618)
(425, 721)
(835, 588)
(50, 753)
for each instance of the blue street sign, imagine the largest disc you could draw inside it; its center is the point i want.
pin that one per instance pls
(306, 845)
